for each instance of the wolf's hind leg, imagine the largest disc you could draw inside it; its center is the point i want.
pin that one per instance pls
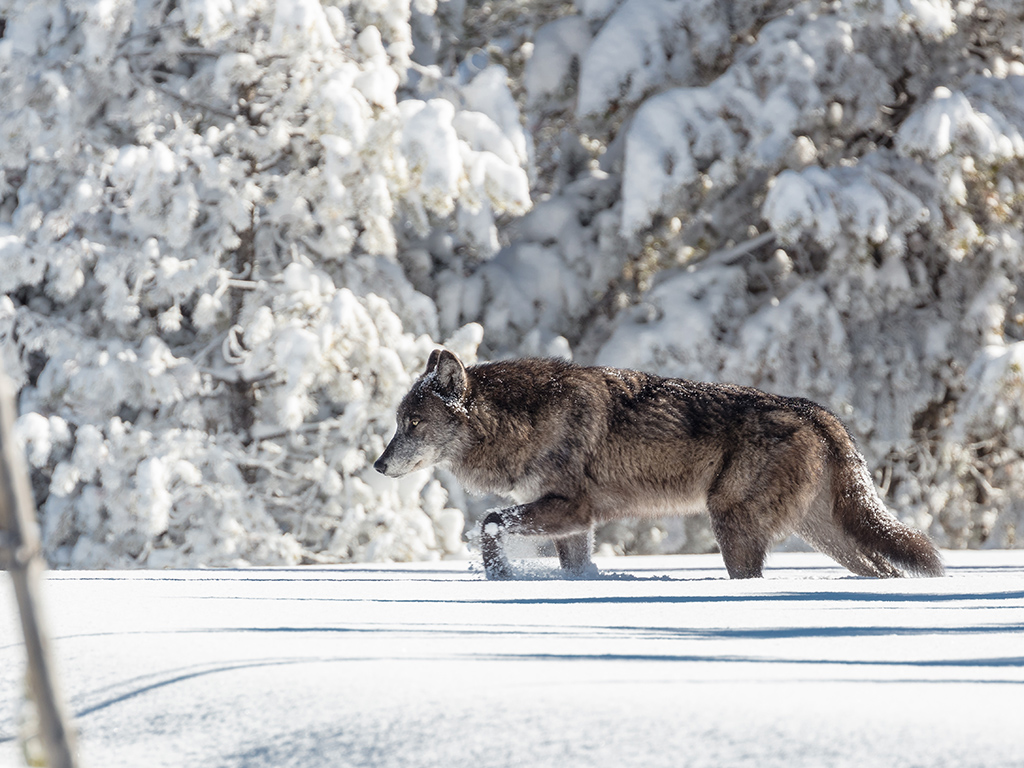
(763, 492)
(744, 555)
(574, 552)
(743, 544)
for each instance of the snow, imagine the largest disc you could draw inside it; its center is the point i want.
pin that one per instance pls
(657, 662)
(555, 46)
(488, 93)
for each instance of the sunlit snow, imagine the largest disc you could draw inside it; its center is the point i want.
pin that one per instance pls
(658, 662)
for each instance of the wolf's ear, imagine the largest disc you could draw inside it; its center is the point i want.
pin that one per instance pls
(432, 360)
(451, 374)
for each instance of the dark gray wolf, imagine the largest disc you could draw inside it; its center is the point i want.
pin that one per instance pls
(574, 446)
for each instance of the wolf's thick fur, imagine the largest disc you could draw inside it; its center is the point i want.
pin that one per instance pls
(574, 446)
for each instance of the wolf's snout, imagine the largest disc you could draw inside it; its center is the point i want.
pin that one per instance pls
(381, 466)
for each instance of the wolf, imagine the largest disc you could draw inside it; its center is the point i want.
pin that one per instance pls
(574, 446)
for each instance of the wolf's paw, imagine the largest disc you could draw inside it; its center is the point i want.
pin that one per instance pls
(498, 571)
(582, 571)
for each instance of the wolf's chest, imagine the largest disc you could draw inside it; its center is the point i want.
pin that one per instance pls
(498, 479)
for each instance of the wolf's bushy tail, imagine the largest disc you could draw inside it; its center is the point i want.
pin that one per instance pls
(889, 545)
(863, 515)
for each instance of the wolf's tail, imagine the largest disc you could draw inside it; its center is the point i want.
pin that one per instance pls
(863, 516)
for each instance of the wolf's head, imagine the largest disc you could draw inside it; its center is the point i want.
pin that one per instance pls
(431, 418)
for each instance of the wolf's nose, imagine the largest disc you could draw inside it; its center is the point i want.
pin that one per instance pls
(381, 466)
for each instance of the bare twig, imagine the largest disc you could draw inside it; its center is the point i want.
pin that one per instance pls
(148, 82)
(729, 255)
(20, 548)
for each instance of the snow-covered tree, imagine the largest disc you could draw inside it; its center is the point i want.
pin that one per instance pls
(821, 199)
(202, 208)
(232, 232)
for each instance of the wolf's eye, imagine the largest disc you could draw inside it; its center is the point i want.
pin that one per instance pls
(413, 422)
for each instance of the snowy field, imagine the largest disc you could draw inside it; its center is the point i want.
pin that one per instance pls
(658, 662)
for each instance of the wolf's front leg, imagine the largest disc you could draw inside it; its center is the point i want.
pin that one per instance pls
(496, 565)
(574, 552)
(555, 516)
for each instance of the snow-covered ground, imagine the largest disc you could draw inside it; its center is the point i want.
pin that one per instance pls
(659, 662)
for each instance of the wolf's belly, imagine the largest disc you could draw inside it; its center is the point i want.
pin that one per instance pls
(615, 503)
